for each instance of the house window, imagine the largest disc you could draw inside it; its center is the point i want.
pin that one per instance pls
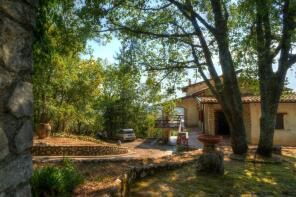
(279, 124)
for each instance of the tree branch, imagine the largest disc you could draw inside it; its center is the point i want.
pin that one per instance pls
(292, 60)
(195, 14)
(286, 60)
(171, 68)
(200, 70)
(109, 30)
(148, 33)
(276, 51)
(206, 51)
(154, 9)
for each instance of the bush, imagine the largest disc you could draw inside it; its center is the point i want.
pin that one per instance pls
(55, 181)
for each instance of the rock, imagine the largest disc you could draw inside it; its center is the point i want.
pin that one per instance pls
(210, 163)
(23, 139)
(21, 101)
(16, 49)
(19, 11)
(24, 191)
(4, 149)
(6, 79)
(16, 96)
(15, 172)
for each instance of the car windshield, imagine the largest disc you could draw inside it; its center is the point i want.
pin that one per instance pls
(127, 132)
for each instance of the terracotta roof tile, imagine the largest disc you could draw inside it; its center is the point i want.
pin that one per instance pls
(251, 99)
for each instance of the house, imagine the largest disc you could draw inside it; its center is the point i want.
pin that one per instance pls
(202, 111)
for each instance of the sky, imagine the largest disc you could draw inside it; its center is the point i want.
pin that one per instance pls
(108, 52)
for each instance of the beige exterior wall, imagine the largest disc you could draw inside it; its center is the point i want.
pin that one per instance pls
(286, 136)
(195, 88)
(191, 111)
(209, 120)
(209, 117)
(252, 115)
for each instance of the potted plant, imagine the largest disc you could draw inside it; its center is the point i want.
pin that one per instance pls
(44, 128)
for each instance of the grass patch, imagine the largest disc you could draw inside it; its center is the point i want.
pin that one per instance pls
(240, 178)
(55, 180)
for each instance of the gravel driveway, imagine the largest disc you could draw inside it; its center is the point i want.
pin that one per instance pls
(148, 148)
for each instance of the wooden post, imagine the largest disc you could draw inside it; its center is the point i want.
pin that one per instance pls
(166, 135)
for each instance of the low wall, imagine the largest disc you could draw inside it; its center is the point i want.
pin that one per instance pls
(77, 150)
(122, 184)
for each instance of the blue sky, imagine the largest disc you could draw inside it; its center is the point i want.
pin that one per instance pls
(109, 50)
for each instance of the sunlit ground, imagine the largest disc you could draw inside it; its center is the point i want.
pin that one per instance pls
(240, 179)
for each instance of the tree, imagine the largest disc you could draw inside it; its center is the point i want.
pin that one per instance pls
(65, 86)
(272, 83)
(192, 34)
(127, 102)
(271, 42)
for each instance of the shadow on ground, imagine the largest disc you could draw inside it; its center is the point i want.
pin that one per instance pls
(240, 178)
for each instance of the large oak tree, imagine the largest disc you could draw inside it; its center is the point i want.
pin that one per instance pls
(272, 83)
(195, 34)
(271, 42)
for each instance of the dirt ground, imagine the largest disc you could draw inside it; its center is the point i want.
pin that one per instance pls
(62, 141)
(101, 176)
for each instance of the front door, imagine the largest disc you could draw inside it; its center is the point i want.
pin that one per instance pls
(221, 125)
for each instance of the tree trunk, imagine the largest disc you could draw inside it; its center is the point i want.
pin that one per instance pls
(267, 125)
(230, 96)
(270, 97)
(234, 115)
(272, 83)
(166, 135)
(231, 99)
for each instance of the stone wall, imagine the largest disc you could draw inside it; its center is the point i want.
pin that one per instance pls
(123, 184)
(77, 150)
(17, 19)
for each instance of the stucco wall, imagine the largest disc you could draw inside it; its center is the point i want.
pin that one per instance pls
(195, 88)
(209, 111)
(191, 111)
(281, 137)
(209, 117)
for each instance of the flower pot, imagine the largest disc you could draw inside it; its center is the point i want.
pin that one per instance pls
(43, 130)
(209, 141)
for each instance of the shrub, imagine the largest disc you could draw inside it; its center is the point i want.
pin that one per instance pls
(55, 181)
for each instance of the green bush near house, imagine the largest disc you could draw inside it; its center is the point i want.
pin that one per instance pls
(55, 181)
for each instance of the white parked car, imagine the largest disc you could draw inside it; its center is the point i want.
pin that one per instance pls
(126, 134)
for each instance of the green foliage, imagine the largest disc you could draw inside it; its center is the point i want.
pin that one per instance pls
(151, 130)
(86, 96)
(65, 87)
(126, 100)
(55, 181)
(168, 108)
